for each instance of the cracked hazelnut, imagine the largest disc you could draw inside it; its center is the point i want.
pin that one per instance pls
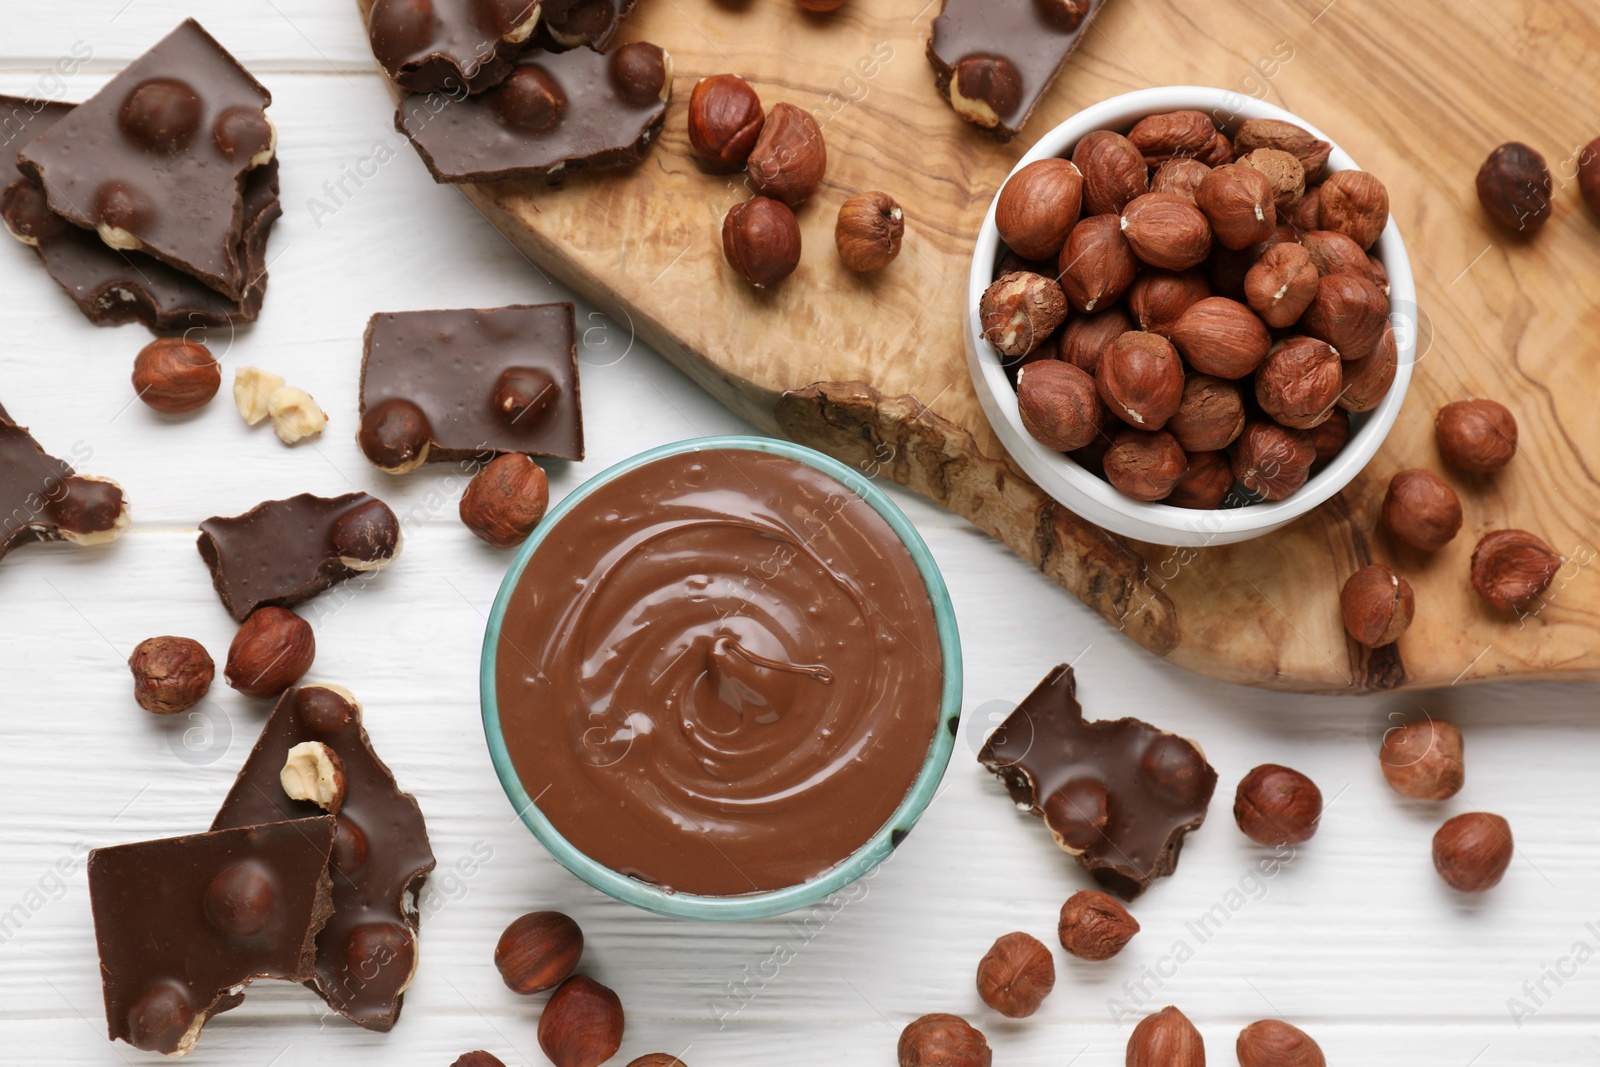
(1205, 485)
(1141, 380)
(1038, 207)
(869, 231)
(985, 89)
(538, 951)
(582, 1024)
(1311, 152)
(395, 436)
(1095, 926)
(1180, 177)
(1515, 188)
(251, 388)
(175, 376)
(1356, 204)
(941, 1040)
(1020, 312)
(790, 157)
(1097, 265)
(1479, 436)
(1158, 298)
(1277, 806)
(1239, 203)
(1166, 231)
(1334, 253)
(1348, 312)
(1173, 135)
(312, 771)
(1472, 852)
(1085, 338)
(1271, 1043)
(1511, 569)
(296, 416)
(1059, 405)
(1016, 975)
(1114, 172)
(725, 118)
(1367, 380)
(1166, 1039)
(1424, 760)
(1299, 382)
(1283, 170)
(1145, 466)
(272, 651)
(1331, 435)
(506, 500)
(761, 241)
(1221, 337)
(170, 674)
(1421, 510)
(1377, 605)
(92, 511)
(1281, 285)
(1273, 461)
(1210, 417)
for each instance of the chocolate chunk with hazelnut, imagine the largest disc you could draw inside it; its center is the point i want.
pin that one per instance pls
(1424, 760)
(538, 951)
(176, 376)
(1299, 382)
(1059, 405)
(761, 240)
(1282, 285)
(986, 90)
(1016, 975)
(1515, 188)
(869, 231)
(1511, 569)
(1097, 265)
(941, 1040)
(170, 674)
(1222, 338)
(1084, 339)
(1141, 380)
(1210, 416)
(1145, 466)
(1039, 206)
(1472, 852)
(790, 157)
(1239, 202)
(1114, 172)
(314, 772)
(1166, 231)
(1020, 312)
(1479, 436)
(1421, 510)
(1205, 485)
(506, 500)
(1277, 806)
(272, 651)
(1158, 298)
(1273, 461)
(1274, 1043)
(1173, 135)
(1095, 926)
(582, 1023)
(1356, 204)
(725, 119)
(1166, 1039)
(1377, 605)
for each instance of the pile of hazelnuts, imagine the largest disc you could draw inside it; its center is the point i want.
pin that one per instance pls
(1188, 311)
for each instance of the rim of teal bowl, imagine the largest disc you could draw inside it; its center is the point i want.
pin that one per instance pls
(751, 905)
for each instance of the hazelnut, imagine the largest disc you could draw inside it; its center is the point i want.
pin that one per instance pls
(1173, 135)
(90, 511)
(1355, 204)
(478, 1058)
(314, 772)
(1307, 214)
(251, 388)
(1515, 188)
(366, 538)
(1095, 926)
(1020, 312)
(1299, 382)
(1228, 267)
(1076, 814)
(1331, 435)
(1221, 337)
(1511, 569)
(1205, 485)
(326, 710)
(869, 231)
(1277, 806)
(176, 376)
(1114, 172)
(1096, 265)
(984, 89)
(1471, 852)
(1334, 253)
(1059, 405)
(582, 1024)
(1180, 177)
(1166, 1039)
(725, 118)
(642, 73)
(272, 651)
(1273, 461)
(1166, 231)
(538, 951)
(1367, 380)
(1141, 380)
(665, 1059)
(295, 415)
(1283, 170)
(1239, 203)
(522, 395)
(1423, 760)
(1479, 436)
(1016, 975)
(1281, 285)
(1271, 1043)
(395, 436)
(1038, 207)
(761, 241)
(531, 100)
(790, 156)
(1158, 298)
(506, 500)
(1063, 14)
(1219, 153)
(1349, 313)
(170, 674)
(1589, 174)
(1377, 605)
(1421, 510)
(241, 899)
(1085, 338)
(1145, 466)
(941, 1040)
(1311, 152)
(1210, 417)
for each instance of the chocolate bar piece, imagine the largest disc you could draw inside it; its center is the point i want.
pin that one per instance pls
(186, 923)
(430, 46)
(591, 23)
(367, 952)
(445, 386)
(42, 499)
(284, 552)
(1118, 794)
(995, 61)
(555, 114)
(156, 160)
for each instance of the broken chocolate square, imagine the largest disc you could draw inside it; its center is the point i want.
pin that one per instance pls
(430, 46)
(42, 499)
(588, 23)
(1117, 794)
(186, 923)
(367, 953)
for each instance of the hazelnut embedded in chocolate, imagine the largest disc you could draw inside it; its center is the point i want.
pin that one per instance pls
(641, 72)
(245, 131)
(522, 395)
(531, 99)
(367, 537)
(162, 114)
(394, 436)
(241, 899)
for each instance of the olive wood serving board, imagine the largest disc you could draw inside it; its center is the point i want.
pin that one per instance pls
(872, 369)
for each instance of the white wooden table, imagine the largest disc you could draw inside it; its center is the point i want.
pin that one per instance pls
(1356, 939)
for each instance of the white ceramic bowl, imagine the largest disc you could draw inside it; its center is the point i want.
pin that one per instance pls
(1094, 499)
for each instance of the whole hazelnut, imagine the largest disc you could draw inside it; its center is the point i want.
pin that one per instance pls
(1348, 312)
(1166, 231)
(1063, 14)
(1331, 435)
(1356, 204)
(395, 436)
(1145, 466)
(1205, 485)
(170, 674)
(1095, 926)
(1334, 253)
(1114, 172)
(1059, 405)
(1271, 1043)
(538, 951)
(985, 89)
(642, 73)
(725, 118)
(582, 1024)
(1210, 417)
(1421, 510)
(1020, 312)
(1479, 436)
(1239, 203)
(530, 99)
(1227, 268)
(506, 500)
(176, 376)
(1180, 177)
(1511, 569)
(1097, 265)
(1158, 298)
(1076, 814)
(1141, 380)
(1589, 174)
(272, 651)
(1085, 338)
(1016, 975)
(1307, 214)
(1219, 153)
(1367, 380)
(1273, 461)
(790, 157)
(1166, 1039)
(1299, 382)
(1377, 605)
(761, 240)
(1221, 337)
(366, 538)
(1038, 207)
(1285, 137)
(1472, 852)
(1281, 285)
(1424, 760)
(869, 232)
(1283, 170)
(523, 395)
(1277, 806)
(1515, 188)
(1173, 135)
(241, 900)
(941, 1040)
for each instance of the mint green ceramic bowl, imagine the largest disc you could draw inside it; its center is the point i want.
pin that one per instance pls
(752, 905)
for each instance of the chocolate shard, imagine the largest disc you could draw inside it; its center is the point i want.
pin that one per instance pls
(156, 160)
(43, 499)
(1014, 50)
(284, 552)
(430, 46)
(184, 924)
(588, 23)
(1119, 795)
(367, 953)
(555, 114)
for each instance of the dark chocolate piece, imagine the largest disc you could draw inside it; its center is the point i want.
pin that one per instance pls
(1016, 48)
(284, 552)
(474, 383)
(1118, 794)
(367, 952)
(556, 113)
(430, 46)
(156, 160)
(42, 499)
(591, 23)
(185, 923)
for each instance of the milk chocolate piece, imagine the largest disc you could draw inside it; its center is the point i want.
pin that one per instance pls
(430, 46)
(367, 952)
(284, 552)
(1118, 794)
(185, 923)
(555, 114)
(1016, 48)
(474, 382)
(42, 499)
(591, 23)
(156, 160)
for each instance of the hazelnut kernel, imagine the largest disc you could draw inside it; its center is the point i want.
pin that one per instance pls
(175, 376)
(314, 772)
(761, 240)
(1020, 312)
(1349, 312)
(1038, 208)
(1157, 299)
(1273, 1043)
(1472, 852)
(170, 674)
(1273, 461)
(1114, 172)
(582, 1023)
(1206, 485)
(869, 231)
(1016, 975)
(1222, 338)
(1282, 285)
(366, 538)
(1424, 760)
(1095, 926)
(1141, 380)
(1173, 135)
(538, 951)
(295, 414)
(1286, 137)
(395, 436)
(1059, 405)
(1356, 204)
(1239, 202)
(1299, 382)
(1097, 265)
(1085, 338)
(506, 500)
(1511, 569)
(1515, 188)
(789, 157)
(1166, 231)
(941, 1040)
(251, 388)
(1377, 605)
(1277, 806)
(272, 650)
(1421, 510)
(1145, 466)
(725, 118)
(985, 89)
(1479, 436)
(1210, 417)
(1166, 1039)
